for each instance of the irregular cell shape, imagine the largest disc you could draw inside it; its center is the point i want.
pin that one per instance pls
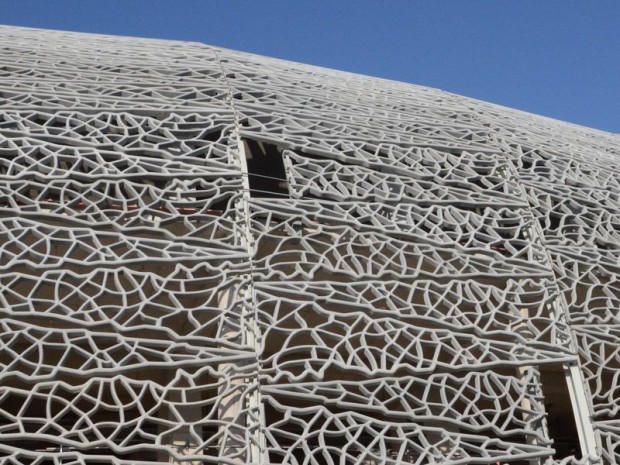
(588, 279)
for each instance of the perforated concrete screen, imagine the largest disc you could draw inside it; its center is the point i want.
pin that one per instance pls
(210, 257)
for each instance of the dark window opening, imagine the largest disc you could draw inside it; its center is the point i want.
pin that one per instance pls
(266, 171)
(560, 418)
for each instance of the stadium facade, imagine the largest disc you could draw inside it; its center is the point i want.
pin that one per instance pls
(213, 257)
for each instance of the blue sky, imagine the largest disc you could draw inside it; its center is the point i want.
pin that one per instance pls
(559, 58)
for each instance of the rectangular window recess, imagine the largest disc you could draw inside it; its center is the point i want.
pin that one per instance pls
(266, 170)
(560, 418)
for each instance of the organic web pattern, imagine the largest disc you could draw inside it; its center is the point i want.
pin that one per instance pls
(213, 257)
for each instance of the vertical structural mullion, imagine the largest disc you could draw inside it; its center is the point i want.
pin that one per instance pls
(249, 324)
(575, 381)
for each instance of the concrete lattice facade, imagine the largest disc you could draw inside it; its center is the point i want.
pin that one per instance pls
(214, 257)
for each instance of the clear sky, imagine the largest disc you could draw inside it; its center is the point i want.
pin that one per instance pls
(559, 58)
